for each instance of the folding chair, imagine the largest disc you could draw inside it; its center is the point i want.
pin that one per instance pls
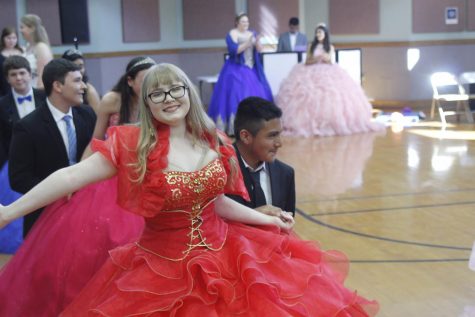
(448, 92)
(467, 80)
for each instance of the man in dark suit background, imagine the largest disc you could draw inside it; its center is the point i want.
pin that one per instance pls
(20, 101)
(270, 182)
(292, 41)
(54, 135)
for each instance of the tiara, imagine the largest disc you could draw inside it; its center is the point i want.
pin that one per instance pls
(71, 52)
(146, 60)
(322, 24)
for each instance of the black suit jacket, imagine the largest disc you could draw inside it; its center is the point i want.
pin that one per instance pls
(4, 86)
(37, 149)
(282, 179)
(9, 116)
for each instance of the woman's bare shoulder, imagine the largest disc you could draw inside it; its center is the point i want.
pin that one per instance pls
(110, 103)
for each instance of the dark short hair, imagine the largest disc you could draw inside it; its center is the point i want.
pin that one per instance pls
(57, 70)
(252, 113)
(294, 21)
(15, 62)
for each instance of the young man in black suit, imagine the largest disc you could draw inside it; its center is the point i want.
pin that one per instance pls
(270, 182)
(54, 135)
(20, 101)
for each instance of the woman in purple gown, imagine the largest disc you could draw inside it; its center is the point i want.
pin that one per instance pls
(71, 239)
(242, 75)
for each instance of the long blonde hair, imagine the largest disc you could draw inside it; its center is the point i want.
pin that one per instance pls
(198, 122)
(34, 21)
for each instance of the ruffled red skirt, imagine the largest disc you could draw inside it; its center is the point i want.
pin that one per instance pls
(65, 248)
(258, 272)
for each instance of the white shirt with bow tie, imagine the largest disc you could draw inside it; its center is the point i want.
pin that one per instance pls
(26, 106)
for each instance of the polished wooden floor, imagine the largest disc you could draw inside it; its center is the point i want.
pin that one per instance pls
(401, 205)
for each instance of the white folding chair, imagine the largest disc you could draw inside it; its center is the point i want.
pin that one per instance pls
(448, 93)
(467, 80)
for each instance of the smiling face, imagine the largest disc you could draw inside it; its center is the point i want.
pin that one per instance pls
(10, 41)
(171, 111)
(26, 31)
(72, 91)
(264, 145)
(243, 23)
(20, 80)
(320, 35)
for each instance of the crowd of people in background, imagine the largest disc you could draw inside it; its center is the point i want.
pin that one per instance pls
(138, 202)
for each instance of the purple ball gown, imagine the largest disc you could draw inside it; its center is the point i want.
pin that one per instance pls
(242, 76)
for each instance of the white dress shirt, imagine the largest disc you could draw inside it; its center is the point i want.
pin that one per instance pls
(293, 40)
(264, 179)
(26, 106)
(58, 118)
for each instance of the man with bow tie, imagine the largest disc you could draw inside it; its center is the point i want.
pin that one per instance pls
(19, 102)
(54, 135)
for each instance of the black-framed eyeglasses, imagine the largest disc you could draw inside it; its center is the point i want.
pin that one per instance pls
(160, 96)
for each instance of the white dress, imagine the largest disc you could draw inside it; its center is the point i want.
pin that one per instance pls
(31, 57)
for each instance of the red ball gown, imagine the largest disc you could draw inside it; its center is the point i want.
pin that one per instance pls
(191, 262)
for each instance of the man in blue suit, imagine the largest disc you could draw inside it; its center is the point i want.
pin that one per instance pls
(292, 41)
(269, 182)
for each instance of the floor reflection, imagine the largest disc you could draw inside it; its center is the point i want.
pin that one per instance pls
(330, 166)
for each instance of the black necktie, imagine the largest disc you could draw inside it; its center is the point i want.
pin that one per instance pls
(259, 197)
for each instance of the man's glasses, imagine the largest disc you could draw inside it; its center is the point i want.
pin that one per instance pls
(160, 96)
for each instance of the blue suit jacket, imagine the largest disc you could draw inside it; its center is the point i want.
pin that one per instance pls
(284, 42)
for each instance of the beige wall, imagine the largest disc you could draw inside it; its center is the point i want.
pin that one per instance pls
(384, 60)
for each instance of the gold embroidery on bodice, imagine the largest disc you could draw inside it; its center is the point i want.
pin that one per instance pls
(190, 193)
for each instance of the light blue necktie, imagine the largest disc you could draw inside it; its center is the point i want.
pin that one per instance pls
(71, 139)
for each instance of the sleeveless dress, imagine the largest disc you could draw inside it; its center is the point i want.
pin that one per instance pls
(323, 100)
(31, 58)
(67, 245)
(242, 76)
(191, 262)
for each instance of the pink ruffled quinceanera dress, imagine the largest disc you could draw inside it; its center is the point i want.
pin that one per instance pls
(67, 245)
(190, 262)
(323, 100)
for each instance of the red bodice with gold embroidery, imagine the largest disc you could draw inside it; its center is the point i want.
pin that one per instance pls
(187, 219)
(178, 206)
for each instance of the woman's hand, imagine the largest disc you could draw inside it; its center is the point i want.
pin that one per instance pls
(251, 41)
(285, 221)
(326, 58)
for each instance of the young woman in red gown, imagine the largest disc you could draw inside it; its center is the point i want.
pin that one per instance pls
(201, 253)
(70, 241)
